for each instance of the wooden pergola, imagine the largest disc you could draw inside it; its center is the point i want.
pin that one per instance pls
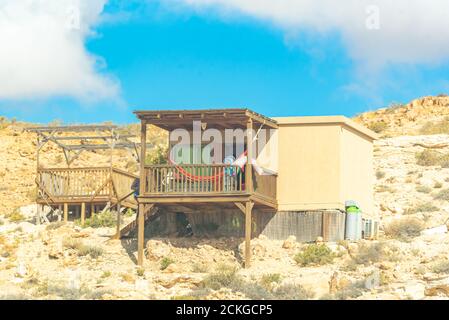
(154, 191)
(72, 185)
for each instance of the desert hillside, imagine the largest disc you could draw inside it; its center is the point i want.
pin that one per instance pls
(421, 116)
(410, 259)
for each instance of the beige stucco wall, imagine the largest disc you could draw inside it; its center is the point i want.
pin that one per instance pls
(323, 161)
(357, 173)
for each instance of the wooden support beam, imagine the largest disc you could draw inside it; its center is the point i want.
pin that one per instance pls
(241, 206)
(83, 213)
(140, 234)
(92, 209)
(249, 166)
(248, 224)
(117, 235)
(66, 212)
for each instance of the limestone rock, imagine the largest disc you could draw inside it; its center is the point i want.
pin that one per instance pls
(289, 243)
(157, 250)
(438, 288)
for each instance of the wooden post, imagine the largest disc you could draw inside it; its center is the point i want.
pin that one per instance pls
(92, 209)
(83, 213)
(66, 212)
(140, 234)
(248, 224)
(141, 212)
(249, 148)
(38, 214)
(117, 235)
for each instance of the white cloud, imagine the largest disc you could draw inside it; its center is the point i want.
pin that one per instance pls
(43, 54)
(410, 31)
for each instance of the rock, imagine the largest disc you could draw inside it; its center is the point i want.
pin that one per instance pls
(157, 250)
(319, 240)
(27, 227)
(433, 231)
(30, 210)
(415, 290)
(438, 288)
(289, 243)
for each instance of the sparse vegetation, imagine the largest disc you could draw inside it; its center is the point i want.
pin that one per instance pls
(140, 272)
(82, 249)
(380, 174)
(378, 127)
(428, 158)
(423, 207)
(385, 188)
(224, 276)
(91, 250)
(404, 229)
(106, 219)
(165, 262)
(268, 279)
(423, 189)
(441, 266)
(54, 225)
(442, 195)
(15, 216)
(438, 185)
(315, 254)
(435, 127)
(292, 292)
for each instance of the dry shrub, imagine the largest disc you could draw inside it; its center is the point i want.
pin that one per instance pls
(404, 229)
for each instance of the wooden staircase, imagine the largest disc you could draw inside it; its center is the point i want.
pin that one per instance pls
(133, 224)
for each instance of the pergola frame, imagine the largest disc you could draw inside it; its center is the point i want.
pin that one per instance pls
(107, 137)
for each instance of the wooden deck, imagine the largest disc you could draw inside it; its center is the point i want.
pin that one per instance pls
(77, 185)
(166, 184)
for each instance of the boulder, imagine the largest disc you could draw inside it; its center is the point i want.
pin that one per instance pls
(438, 288)
(157, 250)
(290, 243)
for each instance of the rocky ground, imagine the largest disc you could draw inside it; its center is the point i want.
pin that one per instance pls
(410, 259)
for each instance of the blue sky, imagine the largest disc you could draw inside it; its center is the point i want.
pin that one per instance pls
(180, 59)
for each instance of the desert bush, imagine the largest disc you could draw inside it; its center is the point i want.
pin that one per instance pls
(71, 243)
(106, 274)
(54, 225)
(224, 276)
(428, 158)
(165, 262)
(380, 174)
(81, 248)
(378, 127)
(423, 207)
(91, 250)
(369, 253)
(435, 127)
(404, 229)
(438, 185)
(199, 268)
(315, 254)
(158, 156)
(292, 292)
(15, 216)
(423, 189)
(441, 266)
(140, 272)
(442, 195)
(106, 219)
(268, 279)
(384, 188)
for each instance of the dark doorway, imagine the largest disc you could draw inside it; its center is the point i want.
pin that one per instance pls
(183, 226)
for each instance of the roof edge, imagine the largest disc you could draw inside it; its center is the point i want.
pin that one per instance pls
(317, 120)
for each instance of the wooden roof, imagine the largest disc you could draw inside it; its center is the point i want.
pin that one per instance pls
(214, 118)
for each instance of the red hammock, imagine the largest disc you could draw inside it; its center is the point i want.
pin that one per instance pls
(197, 178)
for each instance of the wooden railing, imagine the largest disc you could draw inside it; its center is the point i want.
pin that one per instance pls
(265, 185)
(87, 183)
(188, 179)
